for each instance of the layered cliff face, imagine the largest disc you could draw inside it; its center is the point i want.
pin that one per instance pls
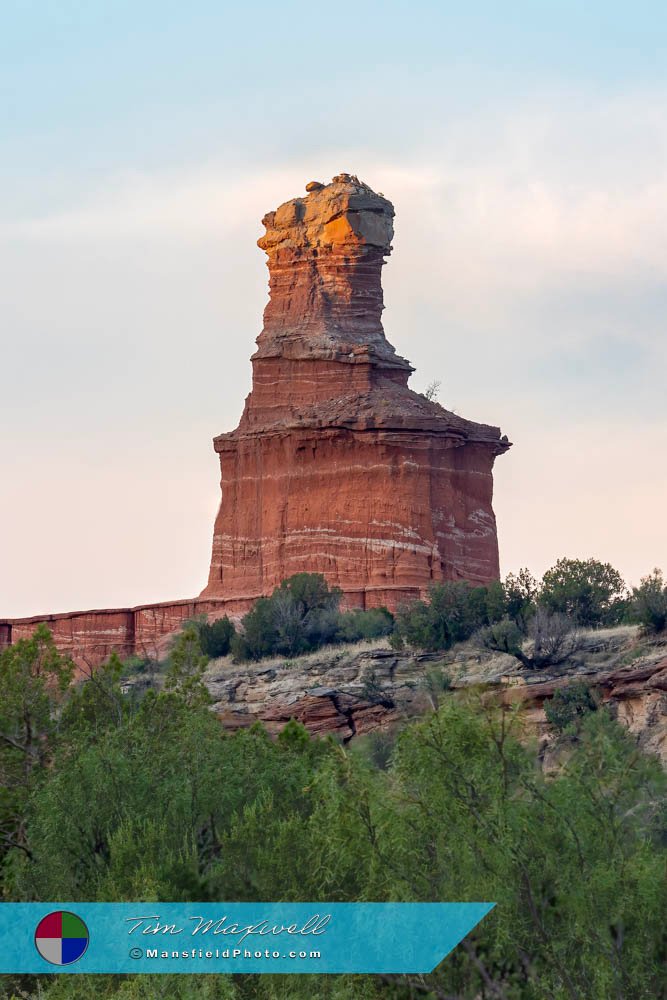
(360, 689)
(337, 466)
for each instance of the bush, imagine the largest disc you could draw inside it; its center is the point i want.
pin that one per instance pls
(649, 602)
(371, 624)
(258, 636)
(372, 691)
(435, 683)
(215, 638)
(553, 638)
(299, 616)
(504, 636)
(588, 591)
(451, 614)
(569, 705)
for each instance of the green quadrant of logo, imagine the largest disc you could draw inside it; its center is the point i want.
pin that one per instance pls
(73, 927)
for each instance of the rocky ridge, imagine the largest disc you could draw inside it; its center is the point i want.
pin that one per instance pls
(350, 691)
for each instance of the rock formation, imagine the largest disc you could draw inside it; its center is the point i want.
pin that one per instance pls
(337, 466)
(352, 691)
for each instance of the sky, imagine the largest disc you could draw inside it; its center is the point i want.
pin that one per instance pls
(524, 147)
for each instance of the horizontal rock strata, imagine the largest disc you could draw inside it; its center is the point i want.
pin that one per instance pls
(89, 637)
(348, 693)
(337, 466)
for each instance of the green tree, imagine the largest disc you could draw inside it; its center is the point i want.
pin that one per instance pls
(215, 638)
(371, 624)
(300, 615)
(521, 592)
(187, 665)
(452, 612)
(649, 602)
(569, 705)
(575, 863)
(34, 679)
(588, 591)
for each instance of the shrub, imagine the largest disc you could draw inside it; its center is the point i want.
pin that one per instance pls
(553, 638)
(649, 602)
(588, 591)
(372, 691)
(435, 683)
(216, 637)
(259, 636)
(569, 705)
(451, 614)
(371, 624)
(504, 636)
(299, 616)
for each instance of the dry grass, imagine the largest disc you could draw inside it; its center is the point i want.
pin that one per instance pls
(332, 653)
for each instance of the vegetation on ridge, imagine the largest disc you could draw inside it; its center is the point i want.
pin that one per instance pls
(145, 797)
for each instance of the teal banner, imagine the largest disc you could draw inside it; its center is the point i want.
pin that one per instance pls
(231, 937)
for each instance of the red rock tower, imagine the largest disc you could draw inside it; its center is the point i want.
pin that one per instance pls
(338, 467)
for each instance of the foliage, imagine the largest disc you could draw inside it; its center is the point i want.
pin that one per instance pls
(569, 705)
(521, 592)
(372, 691)
(187, 664)
(504, 636)
(33, 680)
(371, 624)
(299, 616)
(149, 799)
(259, 634)
(452, 612)
(215, 638)
(649, 602)
(137, 664)
(590, 592)
(552, 638)
(570, 861)
(436, 682)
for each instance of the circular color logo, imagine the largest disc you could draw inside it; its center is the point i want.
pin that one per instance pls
(61, 937)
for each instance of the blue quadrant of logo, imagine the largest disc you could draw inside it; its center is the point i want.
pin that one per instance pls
(73, 949)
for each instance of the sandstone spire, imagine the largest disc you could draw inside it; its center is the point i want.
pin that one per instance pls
(325, 254)
(337, 466)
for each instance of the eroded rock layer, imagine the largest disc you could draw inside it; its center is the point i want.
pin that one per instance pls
(337, 466)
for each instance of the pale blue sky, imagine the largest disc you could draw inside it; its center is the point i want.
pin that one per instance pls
(524, 147)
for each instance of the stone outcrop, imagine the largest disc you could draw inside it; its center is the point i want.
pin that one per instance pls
(337, 466)
(348, 692)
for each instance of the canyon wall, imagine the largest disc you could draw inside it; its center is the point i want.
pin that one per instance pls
(89, 637)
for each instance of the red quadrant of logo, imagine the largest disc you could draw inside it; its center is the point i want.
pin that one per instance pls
(51, 926)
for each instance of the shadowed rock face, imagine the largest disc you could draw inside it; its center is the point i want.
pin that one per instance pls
(337, 466)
